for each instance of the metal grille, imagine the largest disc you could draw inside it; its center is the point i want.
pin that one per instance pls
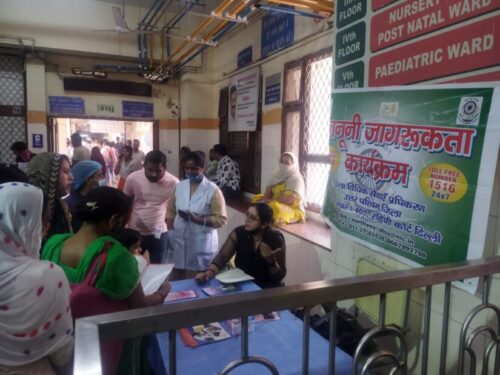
(307, 120)
(12, 128)
(316, 180)
(293, 79)
(243, 147)
(318, 105)
(293, 132)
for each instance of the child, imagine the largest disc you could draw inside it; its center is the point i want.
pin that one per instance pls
(131, 239)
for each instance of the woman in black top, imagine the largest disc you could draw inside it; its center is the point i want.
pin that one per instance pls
(260, 249)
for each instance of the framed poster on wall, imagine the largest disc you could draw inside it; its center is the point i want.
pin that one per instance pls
(243, 101)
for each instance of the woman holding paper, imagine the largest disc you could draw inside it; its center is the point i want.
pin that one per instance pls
(104, 210)
(259, 249)
(285, 193)
(194, 212)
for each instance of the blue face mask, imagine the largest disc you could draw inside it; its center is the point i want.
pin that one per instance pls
(196, 178)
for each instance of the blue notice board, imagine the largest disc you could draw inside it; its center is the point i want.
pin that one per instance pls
(137, 109)
(37, 140)
(66, 105)
(277, 32)
(245, 57)
(273, 86)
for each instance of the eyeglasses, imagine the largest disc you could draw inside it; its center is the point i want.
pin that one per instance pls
(253, 217)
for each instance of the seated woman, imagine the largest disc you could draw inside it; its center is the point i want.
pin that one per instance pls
(285, 193)
(35, 320)
(105, 210)
(260, 249)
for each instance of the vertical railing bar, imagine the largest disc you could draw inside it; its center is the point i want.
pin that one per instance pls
(496, 367)
(381, 312)
(427, 321)
(244, 337)
(486, 288)
(136, 358)
(407, 310)
(305, 341)
(333, 339)
(446, 321)
(172, 356)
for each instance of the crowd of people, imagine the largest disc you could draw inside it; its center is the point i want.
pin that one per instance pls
(59, 223)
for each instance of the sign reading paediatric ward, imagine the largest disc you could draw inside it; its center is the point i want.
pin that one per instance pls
(412, 169)
(400, 42)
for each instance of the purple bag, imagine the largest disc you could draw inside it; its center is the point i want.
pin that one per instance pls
(87, 300)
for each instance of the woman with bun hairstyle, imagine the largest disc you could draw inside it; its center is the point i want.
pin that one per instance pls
(105, 210)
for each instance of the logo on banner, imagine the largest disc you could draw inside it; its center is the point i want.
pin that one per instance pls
(389, 109)
(469, 110)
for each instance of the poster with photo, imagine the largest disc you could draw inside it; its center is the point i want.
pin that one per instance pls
(243, 99)
(412, 169)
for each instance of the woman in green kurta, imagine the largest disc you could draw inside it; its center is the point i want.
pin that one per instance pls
(105, 210)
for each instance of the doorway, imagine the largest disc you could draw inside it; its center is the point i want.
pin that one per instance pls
(94, 131)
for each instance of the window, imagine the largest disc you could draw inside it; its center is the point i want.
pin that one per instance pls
(242, 147)
(306, 120)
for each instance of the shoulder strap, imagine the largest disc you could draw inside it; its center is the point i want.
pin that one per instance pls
(97, 265)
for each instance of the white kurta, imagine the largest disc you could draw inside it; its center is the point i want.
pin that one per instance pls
(193, 246)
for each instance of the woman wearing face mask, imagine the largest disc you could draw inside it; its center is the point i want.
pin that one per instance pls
(87, 175)
(260, 249)
(52, 173)
(194, 213)
(285, 193)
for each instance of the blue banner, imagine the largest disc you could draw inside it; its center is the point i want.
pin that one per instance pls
(273, 88)
(66, 105)
(245, 57)
(277, 33)
(137, 109)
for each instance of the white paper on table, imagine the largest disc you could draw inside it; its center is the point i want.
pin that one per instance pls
(234, 275)
(154, 275)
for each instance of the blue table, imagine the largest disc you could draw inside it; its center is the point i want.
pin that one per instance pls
(278, 341)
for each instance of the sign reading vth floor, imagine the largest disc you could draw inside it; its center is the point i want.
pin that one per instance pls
(411, 169)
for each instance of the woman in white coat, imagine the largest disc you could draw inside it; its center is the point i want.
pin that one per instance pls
(194, 213)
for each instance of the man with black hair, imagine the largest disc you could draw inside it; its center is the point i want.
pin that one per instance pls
(23, 154)
(80, 152)
(150, 189)
(228, 172)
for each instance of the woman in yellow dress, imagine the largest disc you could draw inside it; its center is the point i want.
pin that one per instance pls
(285, 193)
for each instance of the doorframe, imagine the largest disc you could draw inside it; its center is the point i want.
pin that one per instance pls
(52, 129)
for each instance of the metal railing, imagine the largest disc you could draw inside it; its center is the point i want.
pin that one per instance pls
(140, 322)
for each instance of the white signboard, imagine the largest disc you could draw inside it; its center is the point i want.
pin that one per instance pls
(243, 101)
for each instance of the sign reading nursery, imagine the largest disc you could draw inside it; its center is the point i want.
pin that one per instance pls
(411, 169)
